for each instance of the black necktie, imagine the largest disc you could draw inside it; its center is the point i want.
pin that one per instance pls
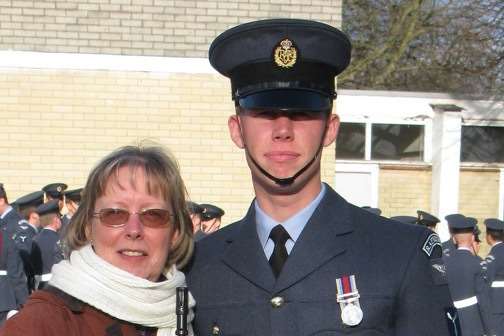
(277, 259)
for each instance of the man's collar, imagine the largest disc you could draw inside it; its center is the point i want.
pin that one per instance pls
(265, 223)
(7, 210)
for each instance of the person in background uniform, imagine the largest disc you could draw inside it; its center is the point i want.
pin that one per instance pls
(13, 290)
(211, 218)
(427, 220)
(28, 228)
(477, 239)
(465, 277)
(449, 245)
(9, 218)
(54, 191)
(404, 219)
(303, 261)
(72, 201)
(46, 248)
(195, 211)
(494, 264)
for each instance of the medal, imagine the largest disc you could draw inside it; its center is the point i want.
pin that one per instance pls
(351, 315)
(348, 296)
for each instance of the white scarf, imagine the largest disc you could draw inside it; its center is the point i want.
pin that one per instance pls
(120, 294)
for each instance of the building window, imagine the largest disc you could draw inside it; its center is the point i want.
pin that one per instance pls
(351, 142)
(397, 142)
(483, 144)
(394, 142)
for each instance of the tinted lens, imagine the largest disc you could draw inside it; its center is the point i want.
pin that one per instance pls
(155, 217)
(113, 217)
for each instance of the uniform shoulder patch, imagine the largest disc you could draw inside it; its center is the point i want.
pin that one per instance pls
(430, 243)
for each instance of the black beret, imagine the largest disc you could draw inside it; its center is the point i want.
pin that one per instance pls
(55, 190)
(283, 64)
(494, 224)
(49, 207)
(405, 219)
(210, 212)
(74, 194)
(426, 219)
(194, 208)
(458, 221)
(33, 199)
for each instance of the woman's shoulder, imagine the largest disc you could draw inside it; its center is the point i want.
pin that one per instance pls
(44, 313)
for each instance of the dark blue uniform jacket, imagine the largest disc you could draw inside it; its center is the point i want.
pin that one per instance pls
(403, 290)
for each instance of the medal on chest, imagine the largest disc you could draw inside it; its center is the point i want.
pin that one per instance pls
(348, 296)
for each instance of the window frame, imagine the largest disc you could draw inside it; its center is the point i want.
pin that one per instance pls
(427, 143)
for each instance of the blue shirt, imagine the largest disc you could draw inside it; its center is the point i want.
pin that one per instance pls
(294, 225)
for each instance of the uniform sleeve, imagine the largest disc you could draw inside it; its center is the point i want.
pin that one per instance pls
(57, 253)
(16, 273)
(482, 291)
(424, 303)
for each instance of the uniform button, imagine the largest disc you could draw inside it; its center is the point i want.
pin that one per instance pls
(277, 301)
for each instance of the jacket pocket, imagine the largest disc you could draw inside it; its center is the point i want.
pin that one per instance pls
(324, 317)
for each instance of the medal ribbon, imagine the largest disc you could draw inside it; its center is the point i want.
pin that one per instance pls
(346, 288)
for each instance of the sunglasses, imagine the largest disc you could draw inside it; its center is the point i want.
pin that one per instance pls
(116, 218)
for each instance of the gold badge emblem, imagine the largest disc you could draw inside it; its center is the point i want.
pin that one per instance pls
(285, 54)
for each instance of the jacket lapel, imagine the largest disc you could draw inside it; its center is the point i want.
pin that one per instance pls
(323, 238)
(245, 255)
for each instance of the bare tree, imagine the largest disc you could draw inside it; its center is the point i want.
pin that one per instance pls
(454, 46)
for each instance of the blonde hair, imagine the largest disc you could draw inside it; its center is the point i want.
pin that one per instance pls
(162, 178)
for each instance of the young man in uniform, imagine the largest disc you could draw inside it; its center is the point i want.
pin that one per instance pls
(211, 219)
(427, 220)
(465, 276)
(303, 261)
(13, 289)
(9, 217)
(494, 264)
(28, 228)
(46, 248)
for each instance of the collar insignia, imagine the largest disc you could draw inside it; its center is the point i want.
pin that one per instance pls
(285, 54)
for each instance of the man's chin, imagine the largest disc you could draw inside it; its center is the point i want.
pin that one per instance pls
(273, 188)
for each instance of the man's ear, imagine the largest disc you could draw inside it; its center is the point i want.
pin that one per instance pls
(332, 127)
(235, 130)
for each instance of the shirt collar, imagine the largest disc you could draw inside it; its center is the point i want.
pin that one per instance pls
(294, 225)
(464, 248)
(9, 208)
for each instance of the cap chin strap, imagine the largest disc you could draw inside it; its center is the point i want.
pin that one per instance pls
(284, 182)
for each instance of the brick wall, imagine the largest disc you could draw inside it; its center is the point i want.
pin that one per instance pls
(479, 197)
(404, 191)
(57, 124)
(140, 27)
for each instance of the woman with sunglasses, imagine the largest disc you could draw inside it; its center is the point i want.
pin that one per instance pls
(126, 242)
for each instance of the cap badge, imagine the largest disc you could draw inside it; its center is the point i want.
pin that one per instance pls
(348, 296)
(285, 54)
(59, 189)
